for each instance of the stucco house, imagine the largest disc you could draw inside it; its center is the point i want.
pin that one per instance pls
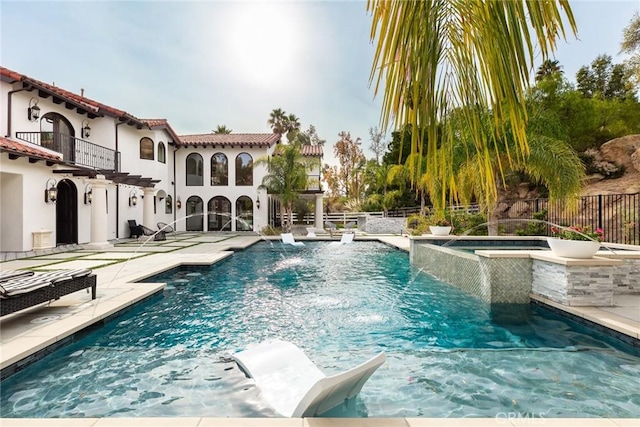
(73, 170)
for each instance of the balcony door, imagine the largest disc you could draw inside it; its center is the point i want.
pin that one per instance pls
(67, 213)
(57, 134)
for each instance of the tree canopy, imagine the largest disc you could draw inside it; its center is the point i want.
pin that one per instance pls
(433, 57)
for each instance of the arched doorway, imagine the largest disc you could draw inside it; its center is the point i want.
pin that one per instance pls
(195, 220)
(57, 134)
(244, 214)
(219, 217)
(67, 213)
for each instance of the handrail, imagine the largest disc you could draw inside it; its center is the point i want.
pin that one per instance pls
(75, 150)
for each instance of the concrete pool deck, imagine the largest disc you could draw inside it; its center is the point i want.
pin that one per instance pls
(25, 333)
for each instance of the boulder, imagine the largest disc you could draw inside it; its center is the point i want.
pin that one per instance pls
(620, 151)
(635, 159)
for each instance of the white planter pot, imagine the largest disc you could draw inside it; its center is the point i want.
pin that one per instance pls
(573, 248)
(437, 230)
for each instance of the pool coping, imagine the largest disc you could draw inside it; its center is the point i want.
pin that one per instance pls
(36, 340)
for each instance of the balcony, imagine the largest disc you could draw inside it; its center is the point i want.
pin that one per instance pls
(74, 150)
(313, 184)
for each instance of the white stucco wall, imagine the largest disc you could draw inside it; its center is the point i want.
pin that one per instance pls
(231, 191)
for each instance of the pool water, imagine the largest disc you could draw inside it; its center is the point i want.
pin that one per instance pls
(448, 353)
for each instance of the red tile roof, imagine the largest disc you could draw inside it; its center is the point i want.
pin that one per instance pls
(231, 139)
(161, 124)
(94, 108)
(26, 149)
(312, 150)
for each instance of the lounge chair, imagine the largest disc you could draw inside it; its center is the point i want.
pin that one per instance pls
(135, 230)
(331, 227)
(25, 292)
(294, 386)
(287, 238)
(166, 229)
(13, 274)
(345, 239)
(350, 227)
(311, 232)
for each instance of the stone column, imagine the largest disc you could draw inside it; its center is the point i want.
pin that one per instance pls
(148, 217)
(319, 215)
(99, 213)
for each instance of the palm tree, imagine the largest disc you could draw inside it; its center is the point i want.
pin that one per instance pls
(286, 177)
(222, 129)
(278, 121)
(550, 161)
(434, 56)
(548, 68)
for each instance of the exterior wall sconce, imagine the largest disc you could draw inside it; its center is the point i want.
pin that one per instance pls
(50, 191)
(88, 190)
(258, 202)
(133, 198)
(86, 130)
(178, 203)
(33, 113)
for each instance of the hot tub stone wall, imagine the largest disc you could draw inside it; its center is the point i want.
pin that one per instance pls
(573, 285)
(626, 278)
(494, 280)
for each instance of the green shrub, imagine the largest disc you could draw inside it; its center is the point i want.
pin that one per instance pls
(535, 228)
(417, 224)
(470, 224)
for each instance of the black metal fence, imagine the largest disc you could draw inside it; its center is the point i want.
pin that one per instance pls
(75, 150)
(618, 215)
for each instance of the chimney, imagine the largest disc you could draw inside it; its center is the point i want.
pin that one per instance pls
(81, 92)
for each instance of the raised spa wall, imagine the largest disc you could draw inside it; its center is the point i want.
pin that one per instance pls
(508, 276)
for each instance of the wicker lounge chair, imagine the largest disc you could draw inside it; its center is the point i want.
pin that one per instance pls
(25, 292)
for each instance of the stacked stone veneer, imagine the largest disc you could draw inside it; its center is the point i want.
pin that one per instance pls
(373, 225)
(626, 278)
(494, 280)
(574, 285)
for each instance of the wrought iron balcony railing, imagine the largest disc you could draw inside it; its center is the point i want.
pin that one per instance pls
(75, 150)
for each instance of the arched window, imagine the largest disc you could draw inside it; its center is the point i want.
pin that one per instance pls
(194, 169)
(162, 153)
(194, 214)
(244, 169)
(168, 204)
(146, 148)
(244, 214)
(219, 209)
(219, 169)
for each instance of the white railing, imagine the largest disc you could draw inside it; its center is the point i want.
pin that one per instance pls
(336, 218)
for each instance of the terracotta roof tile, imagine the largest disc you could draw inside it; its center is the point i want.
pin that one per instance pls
(312, 150)
(26, 149)
(95, 107)
(162, 124)
(252, 139)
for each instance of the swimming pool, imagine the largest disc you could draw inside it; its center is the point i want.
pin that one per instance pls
(448, 353)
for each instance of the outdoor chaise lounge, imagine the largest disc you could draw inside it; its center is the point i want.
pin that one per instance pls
(331, 227)
(19, 293)
(345, 239)
(294, 386)
(287, 238)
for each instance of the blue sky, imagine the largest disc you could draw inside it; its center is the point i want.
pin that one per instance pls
(201, 64)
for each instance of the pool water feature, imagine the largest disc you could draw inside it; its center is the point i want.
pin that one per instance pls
(448, 353)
